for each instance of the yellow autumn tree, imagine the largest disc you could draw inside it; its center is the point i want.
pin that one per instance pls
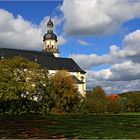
(65, 92)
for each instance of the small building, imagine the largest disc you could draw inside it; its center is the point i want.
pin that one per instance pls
(50, 58)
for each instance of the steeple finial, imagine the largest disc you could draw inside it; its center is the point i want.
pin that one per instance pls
(50, 23)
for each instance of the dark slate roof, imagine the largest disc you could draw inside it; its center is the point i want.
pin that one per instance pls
(45, 59)
(68, 64)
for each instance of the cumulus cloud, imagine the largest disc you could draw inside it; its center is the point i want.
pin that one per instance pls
(98, 17)
(16, 32)
(130, 51)
(91, 60)
(113, 86)
(124, 72)
(132, 41)
(118, 72)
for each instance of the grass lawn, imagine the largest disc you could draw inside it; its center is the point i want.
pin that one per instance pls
(71, 126)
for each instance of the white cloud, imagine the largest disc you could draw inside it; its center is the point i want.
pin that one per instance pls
(130, 51)
(83, 43)
(111, 86)
(17, 32)
(132, 42)
(61, 40)
(91, 60)
(98, 17)
(124, 72)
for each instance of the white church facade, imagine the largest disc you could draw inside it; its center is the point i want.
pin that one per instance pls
(50, 58)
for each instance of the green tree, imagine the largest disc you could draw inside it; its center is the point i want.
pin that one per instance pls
(96, 100)
(132, 101)
(21, 84)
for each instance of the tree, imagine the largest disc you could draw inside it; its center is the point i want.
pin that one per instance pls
(25, 87)
(99, 93)
(113, 97)
(66, 96)
(131, 101)
(22, 83)
(114, 103)
(96, 100)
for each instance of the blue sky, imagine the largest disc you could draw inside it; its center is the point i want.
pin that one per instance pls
(99, 35)
(33, 11)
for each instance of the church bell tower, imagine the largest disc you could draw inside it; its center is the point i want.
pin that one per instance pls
(50, 40)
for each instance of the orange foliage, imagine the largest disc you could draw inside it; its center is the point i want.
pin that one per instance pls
(113, 97)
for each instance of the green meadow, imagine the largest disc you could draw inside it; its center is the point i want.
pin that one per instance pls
(124, 126)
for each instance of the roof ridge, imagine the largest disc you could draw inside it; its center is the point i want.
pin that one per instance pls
(23, 50)
(20, 49)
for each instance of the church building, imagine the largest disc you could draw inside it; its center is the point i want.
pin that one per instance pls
(50, 58)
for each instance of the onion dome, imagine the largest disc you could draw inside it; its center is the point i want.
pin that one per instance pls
(50, 35)
(50, 23)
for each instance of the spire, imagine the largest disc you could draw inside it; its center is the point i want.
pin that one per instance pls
(50, 39)
(50, 23)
